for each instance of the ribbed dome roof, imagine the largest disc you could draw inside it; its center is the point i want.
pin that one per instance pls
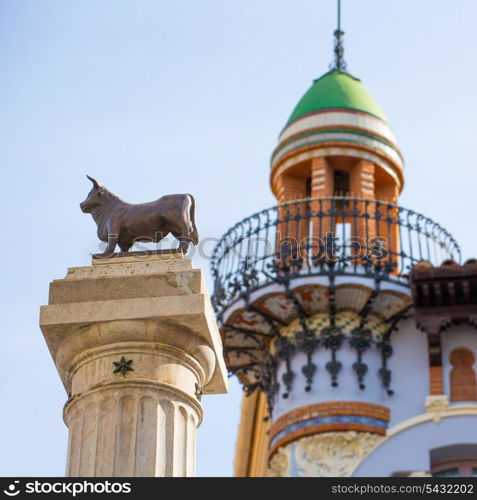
(337, 90)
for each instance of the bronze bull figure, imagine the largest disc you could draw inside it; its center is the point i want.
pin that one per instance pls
(123, 224)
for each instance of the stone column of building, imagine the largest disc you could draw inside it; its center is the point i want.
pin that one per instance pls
(136, 345)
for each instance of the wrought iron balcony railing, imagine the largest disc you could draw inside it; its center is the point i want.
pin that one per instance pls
(325, 237)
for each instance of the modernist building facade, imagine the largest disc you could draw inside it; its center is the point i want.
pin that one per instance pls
(349, 320)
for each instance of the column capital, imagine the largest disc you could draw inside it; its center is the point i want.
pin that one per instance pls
(141, 298)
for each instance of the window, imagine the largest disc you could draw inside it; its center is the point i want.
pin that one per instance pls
(455, 468)
(341, 183)
(447, 473)
(458, 460)
(308, 187)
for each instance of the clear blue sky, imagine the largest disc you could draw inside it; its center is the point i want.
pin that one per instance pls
(155, 97)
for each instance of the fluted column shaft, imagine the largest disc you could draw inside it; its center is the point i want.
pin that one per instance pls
(142, 422)
(133, 431)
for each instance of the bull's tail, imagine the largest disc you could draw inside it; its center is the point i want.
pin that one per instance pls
(194, 235)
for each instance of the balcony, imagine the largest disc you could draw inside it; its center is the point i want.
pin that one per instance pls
(327, 238)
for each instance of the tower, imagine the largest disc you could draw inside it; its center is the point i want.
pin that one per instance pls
(351, 344)
(337, 142)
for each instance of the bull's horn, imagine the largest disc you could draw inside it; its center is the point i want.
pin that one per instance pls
(96, 184)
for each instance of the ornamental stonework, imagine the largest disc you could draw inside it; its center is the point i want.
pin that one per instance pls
(332, 454)
(280, 463)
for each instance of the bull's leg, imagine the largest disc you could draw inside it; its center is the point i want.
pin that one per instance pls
(183, 242)
(112, 242)
(160, 235)
(125, 245)
(183, 246)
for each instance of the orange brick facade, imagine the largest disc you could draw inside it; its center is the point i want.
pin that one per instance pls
(436, 381)
(462, 375)
(317, 178)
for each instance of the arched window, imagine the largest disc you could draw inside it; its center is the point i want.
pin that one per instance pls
(462, 375)
(459, 460)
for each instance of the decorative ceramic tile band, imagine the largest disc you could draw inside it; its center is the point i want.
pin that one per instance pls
(326, 417)
(327, 118)
(335, 137)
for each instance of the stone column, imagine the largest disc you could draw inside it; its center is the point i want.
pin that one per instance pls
(136, 345)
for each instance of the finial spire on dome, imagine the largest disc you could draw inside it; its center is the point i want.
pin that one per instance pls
(339, 63)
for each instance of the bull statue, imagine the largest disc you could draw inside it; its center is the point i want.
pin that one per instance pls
(123, 224)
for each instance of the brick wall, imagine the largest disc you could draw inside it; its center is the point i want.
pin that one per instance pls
(462, 375)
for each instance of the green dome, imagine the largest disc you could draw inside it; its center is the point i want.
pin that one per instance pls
(337, 90)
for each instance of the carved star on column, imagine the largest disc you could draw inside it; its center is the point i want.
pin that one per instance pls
(123, 366)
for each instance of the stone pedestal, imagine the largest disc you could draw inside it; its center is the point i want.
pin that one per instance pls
(136, 345)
